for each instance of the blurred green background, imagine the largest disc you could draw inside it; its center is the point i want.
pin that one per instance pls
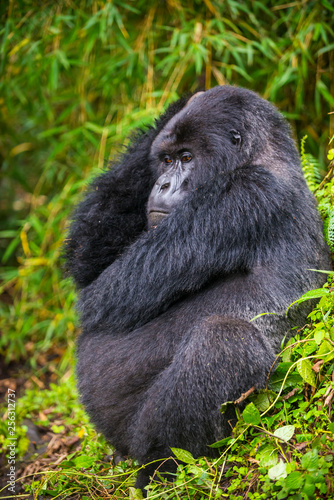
(78, 77)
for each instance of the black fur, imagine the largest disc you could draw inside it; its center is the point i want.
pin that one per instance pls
(165, 312)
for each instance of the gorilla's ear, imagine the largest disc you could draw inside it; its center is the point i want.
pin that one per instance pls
(235, 137)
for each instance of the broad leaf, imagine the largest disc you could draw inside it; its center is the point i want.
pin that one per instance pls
(294, 480)
(304, 368)
(285, 432)
(251, 414)
(267, 455)
(277, 472)
(319, 336)
(183, 455)
(84, 461)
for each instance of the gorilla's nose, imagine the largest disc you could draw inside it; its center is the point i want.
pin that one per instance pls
(164, 186)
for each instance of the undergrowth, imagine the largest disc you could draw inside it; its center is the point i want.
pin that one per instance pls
(76, 78)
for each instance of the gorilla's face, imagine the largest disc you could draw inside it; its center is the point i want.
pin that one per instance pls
(176, 158)
(188, 151)
(172, 185)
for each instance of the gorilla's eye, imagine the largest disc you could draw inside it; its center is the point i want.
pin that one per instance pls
(167, 159)
(186, 157)
(235, 137)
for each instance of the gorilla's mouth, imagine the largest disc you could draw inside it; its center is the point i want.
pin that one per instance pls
(155, 217)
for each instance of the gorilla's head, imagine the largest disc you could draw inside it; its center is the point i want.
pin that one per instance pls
(195, 144)
(217, 131)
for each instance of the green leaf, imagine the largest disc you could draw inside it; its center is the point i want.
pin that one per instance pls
(263, 399)
(251, 414)
(84, 461)
(286, 355)
(267, 455)
(222, 442)
(94, 127)
(135, 493)
(57, 429)
(277, 472)
(326, 348)
(312, 294)
(322, 88)
(309, 486)
(309, 348)
(304, 368)
(310, 461)
(197, 471)
(50, 492)
(294, 481)
(285, 432)
(225, 405)
(183, 455)
(66, 463)
(319, 336)
(262, 314)
(277, 378)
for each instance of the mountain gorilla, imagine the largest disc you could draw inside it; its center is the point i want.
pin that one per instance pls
(204, 223)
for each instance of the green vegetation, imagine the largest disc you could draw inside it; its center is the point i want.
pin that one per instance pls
(76, 78)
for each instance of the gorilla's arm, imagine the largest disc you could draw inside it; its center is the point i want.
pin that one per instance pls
(113, 214)
(224, 226)
(110, 218)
